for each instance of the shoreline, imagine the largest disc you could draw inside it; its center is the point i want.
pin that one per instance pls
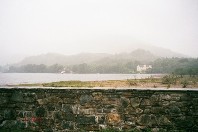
(168, 82)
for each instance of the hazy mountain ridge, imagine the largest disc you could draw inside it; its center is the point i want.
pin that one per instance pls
(163, 52)
(141, 55)
(54, 58)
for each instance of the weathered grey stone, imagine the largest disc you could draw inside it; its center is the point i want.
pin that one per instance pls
(138, 111)
(107, 110)
(153, 121)
(68, 125)
(165, 103)
(58, 115)
(157, 110)
(144, 119)
(125, 102)
(154, 98)
(75, 109)
(29, 97)
(21, 124)
(155, 129)
(69, 101)
(17, 96)
(111, 106)
(69, 117)
(23, 114)
(3, 100)
(40, 112)
(86, 119)
(85, 99)
(145, 102)
(9, 114)
(100, 119)
(50, 100)
(175, 98)
(136, 129)
(174, 110)
(147, 111)
(163, 120)
(135, 102)
(89, 111)
(50, 107)
(195, 101)
(88, 127)
(67, 108)
(97, 95)
(185, 98)
(176, 94)
(8, 124)
(165, 97)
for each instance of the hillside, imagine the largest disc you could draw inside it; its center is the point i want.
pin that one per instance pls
(53, 58)
(140, 55)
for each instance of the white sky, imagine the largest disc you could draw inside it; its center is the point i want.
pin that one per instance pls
(73, 26)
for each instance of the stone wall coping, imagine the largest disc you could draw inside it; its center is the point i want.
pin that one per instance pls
(104, 88)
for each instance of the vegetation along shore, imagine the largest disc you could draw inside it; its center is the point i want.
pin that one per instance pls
(166, 81)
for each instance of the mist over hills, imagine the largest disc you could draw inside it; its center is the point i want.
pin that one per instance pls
(142, 55)
(54, 58)
(86, 51)
(121, 63)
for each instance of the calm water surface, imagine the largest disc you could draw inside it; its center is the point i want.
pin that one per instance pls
(24, 78)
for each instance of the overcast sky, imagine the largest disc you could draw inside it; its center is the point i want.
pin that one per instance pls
(30, 27)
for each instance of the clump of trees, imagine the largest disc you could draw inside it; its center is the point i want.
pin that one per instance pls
(32, 68)
(178, 66)
(174, 79)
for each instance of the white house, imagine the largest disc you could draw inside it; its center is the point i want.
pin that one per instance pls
(143, 68)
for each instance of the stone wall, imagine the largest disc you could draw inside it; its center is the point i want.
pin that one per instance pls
(98, 110)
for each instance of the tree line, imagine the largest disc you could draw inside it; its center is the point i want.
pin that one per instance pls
(180, 66)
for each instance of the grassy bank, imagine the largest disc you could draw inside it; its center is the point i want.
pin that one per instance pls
(167, 81)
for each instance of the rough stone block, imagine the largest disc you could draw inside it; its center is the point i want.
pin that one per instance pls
(157, 110)
(50, 100)
(89, 111)
(138, 111)
(145, 102)
(86, 119)
(147, 120)
(155, 98)
(75, 108)
(51, 107)
(97, 95)
(113, 118)
(40, 112)
(3, 100)
(29, 97)
(163, 120)
(165, 97)
(135, 102)
(69, 117)
(69, 100)
(17, 96)
(9, 114)
(174, 110)
(67, 125)
(58, 115)
(8, 124)
(125, 102)
(67, 108)
(85, 99)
